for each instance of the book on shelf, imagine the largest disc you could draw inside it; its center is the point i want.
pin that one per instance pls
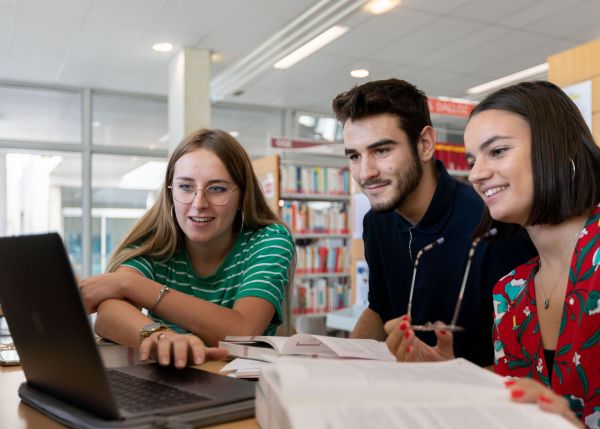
(306, 217)
(270, 349)
(319, 295)
(330, 255)
(315, 180)
(328, 394)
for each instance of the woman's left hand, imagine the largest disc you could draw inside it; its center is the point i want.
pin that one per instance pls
(96, 289)
(168, 347)
(403, 343)
(532, 391)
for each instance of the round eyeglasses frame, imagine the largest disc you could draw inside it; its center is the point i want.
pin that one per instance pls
(207, 195)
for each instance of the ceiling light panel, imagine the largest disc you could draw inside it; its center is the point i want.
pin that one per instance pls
(314, 21)
(506, 80)
(311, 47)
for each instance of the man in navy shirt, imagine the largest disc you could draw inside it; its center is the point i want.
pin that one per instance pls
(390, 142)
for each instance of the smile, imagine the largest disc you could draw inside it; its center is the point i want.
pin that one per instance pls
(374, 187)
(493, 191)
(201, 219)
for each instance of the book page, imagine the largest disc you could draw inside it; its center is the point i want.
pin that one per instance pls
(425, 416)
(243, 364)
(348, 376)
(276, 342)
(363, 394)
(331, 347)
(358, 348)
(244, 368)
(306, 344)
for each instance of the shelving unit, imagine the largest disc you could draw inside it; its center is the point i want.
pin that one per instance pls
(342, 274)
(311, 192)
(314, 197)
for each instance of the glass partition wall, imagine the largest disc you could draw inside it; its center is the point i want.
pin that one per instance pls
(82, 163)
(89, 163)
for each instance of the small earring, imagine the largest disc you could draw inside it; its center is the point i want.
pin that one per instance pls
(242, 222)
(572, 168)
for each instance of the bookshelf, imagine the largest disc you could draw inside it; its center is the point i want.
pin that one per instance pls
(311, 193)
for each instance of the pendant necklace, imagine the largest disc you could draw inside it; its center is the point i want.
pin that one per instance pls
(562, 272)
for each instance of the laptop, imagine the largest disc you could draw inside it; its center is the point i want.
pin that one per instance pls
(66, 378)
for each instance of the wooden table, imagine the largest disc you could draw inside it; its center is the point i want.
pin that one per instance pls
(16, 415)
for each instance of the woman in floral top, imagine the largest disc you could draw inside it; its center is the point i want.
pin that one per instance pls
(534, 162)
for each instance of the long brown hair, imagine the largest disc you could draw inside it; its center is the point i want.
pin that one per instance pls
(158, 235)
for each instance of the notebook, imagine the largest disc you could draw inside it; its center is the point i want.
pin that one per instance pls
(66, 378)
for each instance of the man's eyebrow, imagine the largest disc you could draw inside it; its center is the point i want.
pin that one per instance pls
(486, 143)
(379, 143)
(375, 145)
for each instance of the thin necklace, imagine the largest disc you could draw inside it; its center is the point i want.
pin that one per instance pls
(562, 272)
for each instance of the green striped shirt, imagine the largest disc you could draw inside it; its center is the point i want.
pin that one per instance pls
(257, 265)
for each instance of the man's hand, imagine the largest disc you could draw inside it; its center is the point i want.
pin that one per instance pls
(403, 343)
(168, 346)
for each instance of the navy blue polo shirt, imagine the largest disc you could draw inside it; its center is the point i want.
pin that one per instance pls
(454, 213)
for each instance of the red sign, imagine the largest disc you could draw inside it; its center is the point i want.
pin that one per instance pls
(451, 108)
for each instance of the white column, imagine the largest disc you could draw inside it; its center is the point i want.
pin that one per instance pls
(189, 93)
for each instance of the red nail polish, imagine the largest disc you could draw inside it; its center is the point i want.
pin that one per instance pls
(517, 393)
(442, 332)
(406, 334)
(408, 349)
(405, 317)
(509, 382)
(545, 399)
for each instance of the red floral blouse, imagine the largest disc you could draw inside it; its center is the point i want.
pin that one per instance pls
(517, 340)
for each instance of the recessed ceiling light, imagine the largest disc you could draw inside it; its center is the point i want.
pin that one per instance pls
(215, 57)
(234, 134)
(162, 47)
(359, 73)
(378, 7)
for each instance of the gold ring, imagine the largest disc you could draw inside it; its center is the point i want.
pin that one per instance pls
(160, 336)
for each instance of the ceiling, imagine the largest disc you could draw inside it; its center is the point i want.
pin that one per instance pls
(443, 46)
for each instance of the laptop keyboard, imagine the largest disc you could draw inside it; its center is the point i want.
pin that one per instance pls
(135, 394)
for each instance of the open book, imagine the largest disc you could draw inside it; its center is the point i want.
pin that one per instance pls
(269, 349)
(327, 394)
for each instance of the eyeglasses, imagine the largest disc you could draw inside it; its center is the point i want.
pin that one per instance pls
(217, 195)
(428, 326)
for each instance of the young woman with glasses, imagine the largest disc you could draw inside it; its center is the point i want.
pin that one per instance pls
(210, 258)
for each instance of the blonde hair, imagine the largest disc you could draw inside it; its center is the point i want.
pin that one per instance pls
(158, 235)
